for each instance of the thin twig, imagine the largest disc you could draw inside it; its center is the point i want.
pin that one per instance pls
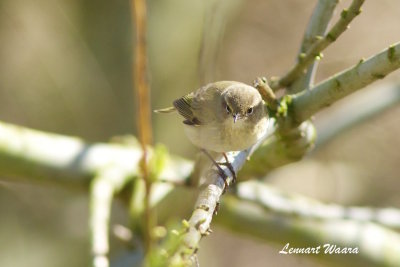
(143, 118)
(261, 84)
(317, 25)
(314, 52)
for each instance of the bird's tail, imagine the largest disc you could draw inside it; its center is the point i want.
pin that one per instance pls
(165, 110)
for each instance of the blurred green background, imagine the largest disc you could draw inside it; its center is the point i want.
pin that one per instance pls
(66, 67)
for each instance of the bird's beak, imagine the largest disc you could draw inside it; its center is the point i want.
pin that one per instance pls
(235, 117)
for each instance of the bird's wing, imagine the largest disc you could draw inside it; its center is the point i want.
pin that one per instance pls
(184, 106)
(200, 107)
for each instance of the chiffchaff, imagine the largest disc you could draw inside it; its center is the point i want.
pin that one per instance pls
(222, 116)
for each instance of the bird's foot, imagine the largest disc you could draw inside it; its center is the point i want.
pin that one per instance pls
(224, 177)
(230, 167)
(221, 172)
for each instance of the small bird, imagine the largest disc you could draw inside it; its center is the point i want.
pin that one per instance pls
(221, 117)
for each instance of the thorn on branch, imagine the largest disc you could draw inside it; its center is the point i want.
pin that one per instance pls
(347, 16)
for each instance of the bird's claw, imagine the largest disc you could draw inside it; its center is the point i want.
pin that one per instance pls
(230, 167)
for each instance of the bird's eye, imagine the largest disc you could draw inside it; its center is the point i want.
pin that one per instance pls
(228, 109)
(249, 111)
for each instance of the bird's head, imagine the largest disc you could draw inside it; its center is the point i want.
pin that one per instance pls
(242, 102)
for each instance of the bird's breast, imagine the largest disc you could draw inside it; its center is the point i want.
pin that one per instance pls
(226, 136)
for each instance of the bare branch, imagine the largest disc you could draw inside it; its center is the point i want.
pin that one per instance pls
(108, 182)
(260, 223)
(39, 156)
(319, 21)
(376, 245)
(307, 103)
(139, 14)
(208, 201)
(279, 150)
(201, 218)
(305, 208)
(356, 111)
(315, 50)
(140, 81)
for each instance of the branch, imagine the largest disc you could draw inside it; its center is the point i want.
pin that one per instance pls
(143, 114)
(356, 111)
(104, 186)
(307, 103)
(140, 73)
(377, 246)
(293, 205)
(287, 145)
(319, 21)
(315, 50)
(279, 150)
(34, 154)
(45, 157)
(28, 151)
(199, 224)
(53, 158)
(207, 203)
(261, 84)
